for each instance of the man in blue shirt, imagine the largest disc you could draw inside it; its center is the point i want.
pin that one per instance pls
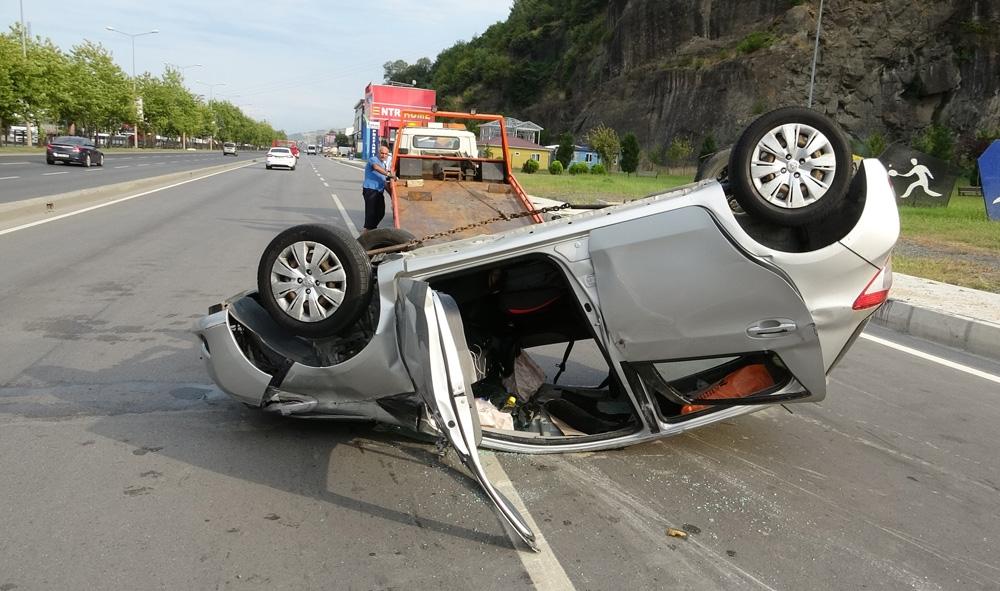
(373, 189)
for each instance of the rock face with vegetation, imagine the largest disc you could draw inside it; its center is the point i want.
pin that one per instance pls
(665, 69)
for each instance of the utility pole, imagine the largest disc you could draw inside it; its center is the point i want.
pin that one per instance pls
(24, 54)
(135, 94)
(812, 77)
(211, 99)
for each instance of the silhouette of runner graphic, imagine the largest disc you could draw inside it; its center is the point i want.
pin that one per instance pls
(922, 173)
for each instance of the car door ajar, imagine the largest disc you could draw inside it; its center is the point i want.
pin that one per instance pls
(432, 344)
(673, 286)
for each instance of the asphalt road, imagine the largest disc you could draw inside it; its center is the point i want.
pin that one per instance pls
(26, 176)
(125, 468)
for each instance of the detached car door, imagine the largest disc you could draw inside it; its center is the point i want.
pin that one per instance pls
(433, 347)
(686, 308)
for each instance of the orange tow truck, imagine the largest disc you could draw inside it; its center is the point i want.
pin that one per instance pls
(444, 189)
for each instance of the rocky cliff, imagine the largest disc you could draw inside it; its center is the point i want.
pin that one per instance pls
(697, 67)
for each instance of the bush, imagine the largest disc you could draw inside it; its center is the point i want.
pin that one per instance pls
(556, 167)
(754, 41)
(937, 141)
(579, 168)
(530, 167)
(598, 169)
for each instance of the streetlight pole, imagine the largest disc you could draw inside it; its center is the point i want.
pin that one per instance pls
(24, 54)
(134, 92)
(812, 77)
(211, 99)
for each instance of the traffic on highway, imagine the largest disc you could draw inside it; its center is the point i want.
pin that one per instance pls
(105, 380)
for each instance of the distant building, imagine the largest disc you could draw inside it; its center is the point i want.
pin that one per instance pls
(519, 150)
(584, 154)
(525, 130)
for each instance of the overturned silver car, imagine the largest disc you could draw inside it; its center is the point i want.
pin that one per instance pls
(692, 312)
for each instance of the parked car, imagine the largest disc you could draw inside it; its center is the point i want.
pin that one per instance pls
(311, 150)
(280, 157)
(695, 313)
(73, 149)
(229, 148)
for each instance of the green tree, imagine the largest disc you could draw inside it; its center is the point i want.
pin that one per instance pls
(937, 141)
(630, 153)
(343, 140)
(101, 95)
(708, 147)
(564, 153)
(604, 140)
(680, 151)
(400, 71)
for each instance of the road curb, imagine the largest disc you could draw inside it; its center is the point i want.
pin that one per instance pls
(972, 335)
(37, 208)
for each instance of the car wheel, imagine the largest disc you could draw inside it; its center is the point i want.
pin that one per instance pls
(267, 166)
(314, 280)
(50, 161)
(86, 161)
(292, 168)
(715, 167)
(791, 167)
(100, 160)
(384, 237)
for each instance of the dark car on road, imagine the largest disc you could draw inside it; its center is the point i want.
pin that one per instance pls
(75, 149)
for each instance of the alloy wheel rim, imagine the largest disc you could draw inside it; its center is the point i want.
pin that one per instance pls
(308, 281)
(793, 166)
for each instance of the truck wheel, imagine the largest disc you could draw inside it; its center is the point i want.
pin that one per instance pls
(314, 280)
(791, 167)
(384, 237)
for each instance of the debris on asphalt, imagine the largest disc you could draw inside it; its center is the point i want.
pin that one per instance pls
(677, 533)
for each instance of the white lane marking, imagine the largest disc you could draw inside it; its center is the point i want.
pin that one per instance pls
(52, 173)
(343, 213)
(3, 178)
(12, 163)
(543, 567)
(322, 179)
(123, 166)
(138, 165)
(100, 205)
(326, 185)
(958, 366)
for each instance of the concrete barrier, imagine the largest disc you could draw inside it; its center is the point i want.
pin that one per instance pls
(36, 208)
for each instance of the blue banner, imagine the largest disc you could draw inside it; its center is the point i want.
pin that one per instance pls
(989, 174)
(371, 138)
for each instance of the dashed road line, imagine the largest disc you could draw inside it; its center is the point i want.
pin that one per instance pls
(12, 163)
(934, 358)
(123, 166)
(4, 178)
(52, 173)
(326, 185)
(343, 213)
(543, 567)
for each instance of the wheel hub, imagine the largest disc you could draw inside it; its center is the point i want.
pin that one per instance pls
(793, 166)
(308, 281)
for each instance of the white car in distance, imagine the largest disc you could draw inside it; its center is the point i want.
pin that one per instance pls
(280, 157)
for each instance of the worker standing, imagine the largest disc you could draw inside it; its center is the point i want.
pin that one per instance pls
(377, 172)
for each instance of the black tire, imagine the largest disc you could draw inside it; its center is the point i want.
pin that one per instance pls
(86, 161)
(356, 285)
(267, 166)
(776, 206)
(384, 237)
(50, 161)
(716, 166)
(100, 160)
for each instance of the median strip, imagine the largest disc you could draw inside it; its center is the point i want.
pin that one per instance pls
(41, 210)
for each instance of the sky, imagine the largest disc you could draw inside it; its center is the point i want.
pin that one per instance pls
(301, 65)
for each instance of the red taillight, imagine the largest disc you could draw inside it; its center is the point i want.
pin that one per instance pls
(48, 146)
(877, 290)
